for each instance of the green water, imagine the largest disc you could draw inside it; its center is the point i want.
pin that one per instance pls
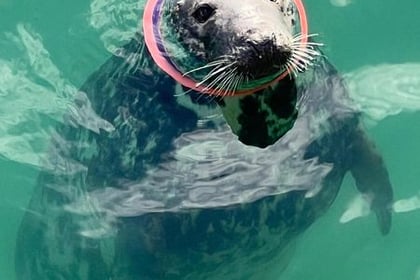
(364, 33)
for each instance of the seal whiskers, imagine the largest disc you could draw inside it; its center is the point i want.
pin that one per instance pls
(220, 81)
(219, 65)
(214, 73)
(302, 55)
(208, 65)
(238, 82)
(231, 85)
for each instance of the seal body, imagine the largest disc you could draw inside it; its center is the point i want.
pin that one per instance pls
(171, 193)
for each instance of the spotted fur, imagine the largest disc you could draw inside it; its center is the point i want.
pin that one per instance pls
(169, 195)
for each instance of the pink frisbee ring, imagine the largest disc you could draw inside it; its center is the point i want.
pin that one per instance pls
(153, 40)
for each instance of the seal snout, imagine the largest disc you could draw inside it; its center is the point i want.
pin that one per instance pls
(262, 58)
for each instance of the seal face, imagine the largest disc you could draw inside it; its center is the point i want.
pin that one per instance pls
(170, 195)
(230, 46)
(256, 45)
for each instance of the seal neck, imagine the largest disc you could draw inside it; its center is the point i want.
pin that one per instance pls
(264, 117)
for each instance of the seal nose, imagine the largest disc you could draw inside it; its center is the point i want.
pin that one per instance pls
(265, 57)
(270, 51)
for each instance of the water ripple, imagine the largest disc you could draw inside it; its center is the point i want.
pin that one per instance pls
(33, 98)
(385, 90)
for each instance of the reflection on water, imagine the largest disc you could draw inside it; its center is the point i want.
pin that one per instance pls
(31, 79)
(386, 90)
(340, 3)
(35, 96)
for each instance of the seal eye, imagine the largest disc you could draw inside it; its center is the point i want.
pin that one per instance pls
(203, 13)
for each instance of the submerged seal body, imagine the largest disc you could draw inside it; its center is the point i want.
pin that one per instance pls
(171, 193)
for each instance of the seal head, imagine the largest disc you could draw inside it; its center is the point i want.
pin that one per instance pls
(229, 46)
(257, 45)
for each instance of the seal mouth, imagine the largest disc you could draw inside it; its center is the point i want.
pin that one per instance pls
(227, 75)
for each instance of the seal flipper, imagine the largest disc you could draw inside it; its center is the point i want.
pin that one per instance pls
(371, 176)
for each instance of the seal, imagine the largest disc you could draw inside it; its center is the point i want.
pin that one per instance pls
(206, 184)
